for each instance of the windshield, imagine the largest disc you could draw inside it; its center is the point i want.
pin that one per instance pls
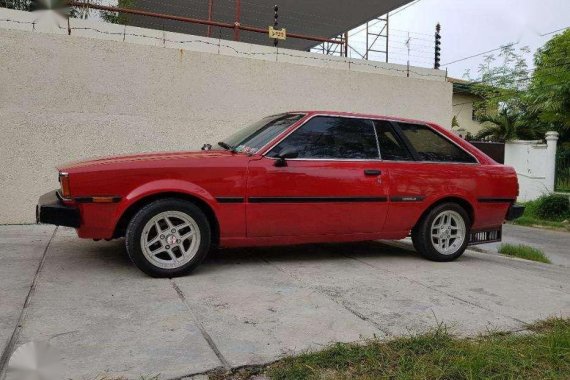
(257, 135)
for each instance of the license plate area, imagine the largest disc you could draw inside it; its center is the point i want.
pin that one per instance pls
(487, 236)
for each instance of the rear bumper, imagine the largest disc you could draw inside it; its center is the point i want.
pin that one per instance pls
(515, 211)
(51, 210)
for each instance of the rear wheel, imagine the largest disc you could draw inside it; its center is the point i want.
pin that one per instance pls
(168, 238)
(443, 234)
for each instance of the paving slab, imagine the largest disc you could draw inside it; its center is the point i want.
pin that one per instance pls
(252, 306)
(106, 318)
(255, 313)
(361, 278)
(21, 251)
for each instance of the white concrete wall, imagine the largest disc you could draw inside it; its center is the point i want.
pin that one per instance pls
(463, 110)
(106, 90)
(534, 163)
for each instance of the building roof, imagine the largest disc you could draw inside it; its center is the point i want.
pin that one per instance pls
(321, 18)
(461, 86)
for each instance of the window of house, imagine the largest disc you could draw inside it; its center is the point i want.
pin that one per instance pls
(431, 146)
(328, 137)
(391, 148)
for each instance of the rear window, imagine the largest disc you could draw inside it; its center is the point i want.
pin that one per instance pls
(431, 146)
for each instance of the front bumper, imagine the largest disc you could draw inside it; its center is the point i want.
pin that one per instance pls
(51, 210)
(515, 211)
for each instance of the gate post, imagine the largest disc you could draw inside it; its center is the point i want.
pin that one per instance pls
(551, 142)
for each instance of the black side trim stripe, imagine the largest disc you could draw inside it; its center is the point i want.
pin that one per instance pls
(407, 198)
(315, 199)
(114, 199)
(229, 199)
(495, 200)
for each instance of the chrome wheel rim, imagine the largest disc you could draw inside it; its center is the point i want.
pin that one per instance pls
(170, 239)
(448, 232)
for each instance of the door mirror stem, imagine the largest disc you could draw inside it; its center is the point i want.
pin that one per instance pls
(284, 155)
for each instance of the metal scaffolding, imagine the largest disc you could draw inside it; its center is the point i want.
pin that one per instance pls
(377, 37)
(376, 34)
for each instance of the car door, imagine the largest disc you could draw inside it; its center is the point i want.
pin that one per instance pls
(335, 185)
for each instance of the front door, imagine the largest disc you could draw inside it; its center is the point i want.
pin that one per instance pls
(336, 185)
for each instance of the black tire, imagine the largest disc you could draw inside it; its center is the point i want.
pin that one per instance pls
(422, 239)
(152, 210)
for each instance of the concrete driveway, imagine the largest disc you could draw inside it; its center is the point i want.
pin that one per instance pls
(252, 306)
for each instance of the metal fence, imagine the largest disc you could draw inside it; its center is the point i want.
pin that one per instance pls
(494, 150)
(562, 182)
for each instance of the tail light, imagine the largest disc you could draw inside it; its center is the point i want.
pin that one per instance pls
(65, 190)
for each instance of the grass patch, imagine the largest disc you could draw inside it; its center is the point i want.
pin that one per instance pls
(543, 354)
(532, 218)
(536, 222)
(524, 252)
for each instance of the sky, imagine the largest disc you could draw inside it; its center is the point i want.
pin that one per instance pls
(470, 27)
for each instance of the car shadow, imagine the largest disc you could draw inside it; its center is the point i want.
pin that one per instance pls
(307, 252)
(225, 259)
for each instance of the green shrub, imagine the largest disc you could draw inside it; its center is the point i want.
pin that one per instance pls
(553, 207)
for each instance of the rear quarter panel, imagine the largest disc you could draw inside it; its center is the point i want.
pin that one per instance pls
(497, 190)
(417, 186)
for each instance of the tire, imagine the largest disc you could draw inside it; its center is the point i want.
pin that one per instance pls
(178, 248)
(451, 226)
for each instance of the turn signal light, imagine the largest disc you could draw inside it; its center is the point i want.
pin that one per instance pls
(64, 182)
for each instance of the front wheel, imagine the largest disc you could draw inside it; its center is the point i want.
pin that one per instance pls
(168, 238)
(443, 234)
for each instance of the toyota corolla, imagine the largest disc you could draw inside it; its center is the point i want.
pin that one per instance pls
(292, 178)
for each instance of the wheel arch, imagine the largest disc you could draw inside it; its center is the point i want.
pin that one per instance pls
(467, 206)
(132, 209)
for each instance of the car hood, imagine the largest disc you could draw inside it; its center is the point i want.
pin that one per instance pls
(141, 158)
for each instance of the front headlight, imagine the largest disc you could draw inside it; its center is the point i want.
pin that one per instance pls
(64, 191)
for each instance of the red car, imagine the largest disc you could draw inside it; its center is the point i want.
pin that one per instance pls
(299, 177)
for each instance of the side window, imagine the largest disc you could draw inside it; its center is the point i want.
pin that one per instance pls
(433, 147)
(391, 148)
(333, 138)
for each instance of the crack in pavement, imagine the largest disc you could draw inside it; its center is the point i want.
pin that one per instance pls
(16, 333)
(435, 289)
(226, 365)
(333, 298)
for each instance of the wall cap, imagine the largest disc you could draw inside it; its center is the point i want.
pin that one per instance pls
(524, 142)
(552, 135)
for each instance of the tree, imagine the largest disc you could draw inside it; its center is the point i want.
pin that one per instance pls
(20, 5)
(501, 80)
(502, 84)
(549, 90)
(116, 17)
(507, 124)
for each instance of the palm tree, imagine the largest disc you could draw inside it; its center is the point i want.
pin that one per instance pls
(506, 125)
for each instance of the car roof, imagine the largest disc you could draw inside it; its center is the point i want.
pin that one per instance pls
(362, 115)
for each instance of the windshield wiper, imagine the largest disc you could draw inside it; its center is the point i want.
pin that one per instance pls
(226, 146)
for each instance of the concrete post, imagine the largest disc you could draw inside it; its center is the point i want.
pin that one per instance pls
(550, 165)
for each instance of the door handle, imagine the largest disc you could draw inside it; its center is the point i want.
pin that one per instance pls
(372, 172)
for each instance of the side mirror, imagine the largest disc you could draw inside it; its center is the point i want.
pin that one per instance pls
(285, 154)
